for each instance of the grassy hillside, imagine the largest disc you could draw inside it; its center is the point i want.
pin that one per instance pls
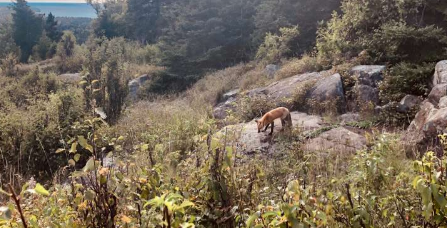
(114, 124)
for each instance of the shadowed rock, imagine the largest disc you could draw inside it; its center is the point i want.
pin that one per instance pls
(135, 84)
(431, 119)
(320, 86)
(366, 89)
(340, 140)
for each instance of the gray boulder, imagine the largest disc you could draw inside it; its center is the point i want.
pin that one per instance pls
(369, 75)
(328, 88)
(431, 119)
(408, 103)
(221, 109)
(135, 84)
(319, 86)
(366, 94)
(287, 87)
(440, 75)
(270, 70)
(366, 89)
(349, 118)
(230, 94)
(250, 141)
(440, 90)
(443, 102)
(76, 77)
(340, 140)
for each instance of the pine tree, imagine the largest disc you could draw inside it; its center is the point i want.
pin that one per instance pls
(51, 29)
(142, 17)
(27, 28)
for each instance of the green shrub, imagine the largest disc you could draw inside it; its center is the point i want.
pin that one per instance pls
(305, 64)
(391, 31)
(44, 49)
(70, 57)
(8, 65)
(277, 46)
(406, 78)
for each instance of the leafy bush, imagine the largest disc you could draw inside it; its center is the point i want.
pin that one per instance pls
(390, 31)
(7, 45)
(8, 65)
(406, 78)
(70, 57)
(44, 49)
(33, 123)
(305, 64)
(277, 46)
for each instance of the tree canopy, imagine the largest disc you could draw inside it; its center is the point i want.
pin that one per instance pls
(27, 28)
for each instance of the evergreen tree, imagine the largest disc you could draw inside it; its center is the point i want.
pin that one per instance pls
(271, 15)
(142, 17)
(110, 22)
(27, 28)
(51, 29)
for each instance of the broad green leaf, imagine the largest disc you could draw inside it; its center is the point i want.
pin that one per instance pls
(24, 188)
(426, 195)
(185, 203)
(157, 201)
(440, 199)
(83, 83)
(41, 190)
(83, 142)
(76, 157)
(60, 150)
(73, 147)
(251, 219)
(271, 214)
(90, 165)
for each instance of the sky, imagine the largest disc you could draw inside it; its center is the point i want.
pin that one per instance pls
(61, 1)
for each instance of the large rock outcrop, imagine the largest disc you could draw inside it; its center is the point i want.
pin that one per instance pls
(431, 119)
(367, 81)
(250, 141)
(319, 86)
(340, 139)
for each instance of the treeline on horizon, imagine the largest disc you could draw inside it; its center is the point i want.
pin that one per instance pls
(191, 37)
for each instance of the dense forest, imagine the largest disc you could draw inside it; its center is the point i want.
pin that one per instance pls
(144, 116)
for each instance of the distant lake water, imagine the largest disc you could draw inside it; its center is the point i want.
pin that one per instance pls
(61, 9)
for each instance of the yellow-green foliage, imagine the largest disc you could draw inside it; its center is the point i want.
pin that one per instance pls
(8, 65)
(181, 175)
(35, 113)
(406, 78)
(391, 31)
(295, 66)
(277, 46)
